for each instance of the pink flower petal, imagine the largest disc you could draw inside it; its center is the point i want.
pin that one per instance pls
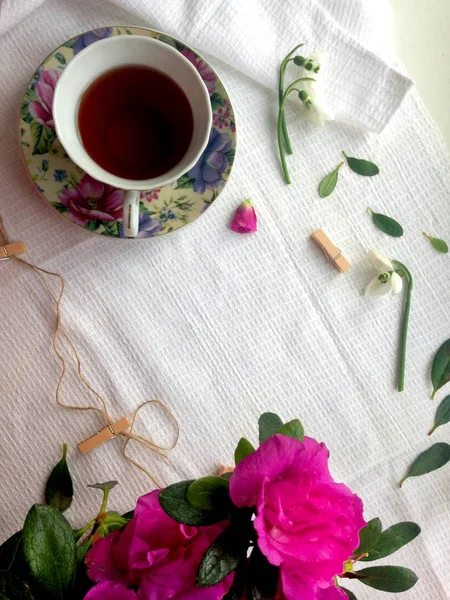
(51, 77)
(39, 113)
(45, 94)
(69, 197)
(244, 220)
(77, 217)
(99, 560)
(110, 591)
(90, 187)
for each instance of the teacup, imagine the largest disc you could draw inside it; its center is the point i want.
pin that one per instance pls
(95, 61)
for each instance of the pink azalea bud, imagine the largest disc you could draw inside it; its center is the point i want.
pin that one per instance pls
(244, 220)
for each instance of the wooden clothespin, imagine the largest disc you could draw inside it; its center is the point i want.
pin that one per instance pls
(12, 249)
(101, 437)
(333, 253)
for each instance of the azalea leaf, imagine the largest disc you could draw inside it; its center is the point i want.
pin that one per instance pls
(59, 488)
(209, 493)
(442, 415)
(222, 557)
(440, 371)
(12, 588)
(368, 537)
(434, 458)
(439, 245)
(262, 577)
(174, 502)
(293, 429)
(387, 579)
(393, 539)
(350, 594)
(387, 224)
(328, 184)
(244, 449)
(362, 167)
(269, 425)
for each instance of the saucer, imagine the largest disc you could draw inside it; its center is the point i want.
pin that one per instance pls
(95, 206)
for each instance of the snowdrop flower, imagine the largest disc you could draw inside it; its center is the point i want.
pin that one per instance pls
(387, 280)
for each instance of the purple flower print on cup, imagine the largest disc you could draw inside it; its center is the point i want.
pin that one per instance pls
(206, 73)
(148, 227)
(208, 172)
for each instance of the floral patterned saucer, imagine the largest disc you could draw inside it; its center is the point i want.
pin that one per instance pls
(98, 207)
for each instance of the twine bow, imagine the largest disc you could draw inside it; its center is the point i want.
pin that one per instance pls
(102, 409)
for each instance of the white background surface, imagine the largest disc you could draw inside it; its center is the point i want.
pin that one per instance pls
(421, 38)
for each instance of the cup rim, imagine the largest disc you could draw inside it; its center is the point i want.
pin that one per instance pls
(107, 177)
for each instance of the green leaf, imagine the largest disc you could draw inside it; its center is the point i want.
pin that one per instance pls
(222, 557)
(216, 101)
(128, 515)
(293, 429)
(387, 224)
(209, 493)
(237, 589)
(83, 549)
(388, 579)
(185, 182)
(327, 185)
(262, 577)
(59, 489)
(244, 449)
(442, 414)
(362, 167)
(393, 539)
(350, 594)
(368, 537)
(174, 502)
(434, 458)
(70, 43)
(107, 485)
(49, 548)
(269, 425)
(11, 554)
(25, 114)
(439, 245)
(440, 371)
(43, 137)
(60, 207)
(12, 588)
(93, 225)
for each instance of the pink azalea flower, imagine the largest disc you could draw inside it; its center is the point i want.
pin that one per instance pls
(92, 200)
(206, 73)
(157, 555)
(45, 88)
(306, 522)
(111, 591)
(244, 220)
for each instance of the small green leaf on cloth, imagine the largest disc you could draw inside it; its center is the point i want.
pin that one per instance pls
(388, 579)
(59, 488)
(293, 429)
(393, 539)
(174, 502)
(434, 458)
(243, 449)
(440, 370)
(439, 245)
(269, 425)
(442, 414)
(368, 537)
(386, 224)
(362, 167)
(49, 548)
(222, 557)
(209, 493)
(328, 184)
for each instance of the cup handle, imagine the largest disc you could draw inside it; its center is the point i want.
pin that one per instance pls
(131, 213)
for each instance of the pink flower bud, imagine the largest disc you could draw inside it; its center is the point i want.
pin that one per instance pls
(244, 220)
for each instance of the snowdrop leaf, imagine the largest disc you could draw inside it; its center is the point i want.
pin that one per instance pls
(328, 184)
(362, 167)
(387, 224)
(440, 370)
(442, 415)
(393, 539)
(388, 579)
(434, 458)
(439, 245)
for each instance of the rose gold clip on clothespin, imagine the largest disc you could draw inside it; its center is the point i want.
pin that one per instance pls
(107, 433)
(333, 253)
(13, 249)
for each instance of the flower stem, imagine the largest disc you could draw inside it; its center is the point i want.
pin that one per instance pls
(290, 88)
(283, 66)
(105, 500)
(404, 332)
(79, 532)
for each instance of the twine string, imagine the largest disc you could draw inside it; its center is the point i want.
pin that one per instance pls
(60, 331)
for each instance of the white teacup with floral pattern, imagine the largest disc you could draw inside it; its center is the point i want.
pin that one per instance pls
(108, 54)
